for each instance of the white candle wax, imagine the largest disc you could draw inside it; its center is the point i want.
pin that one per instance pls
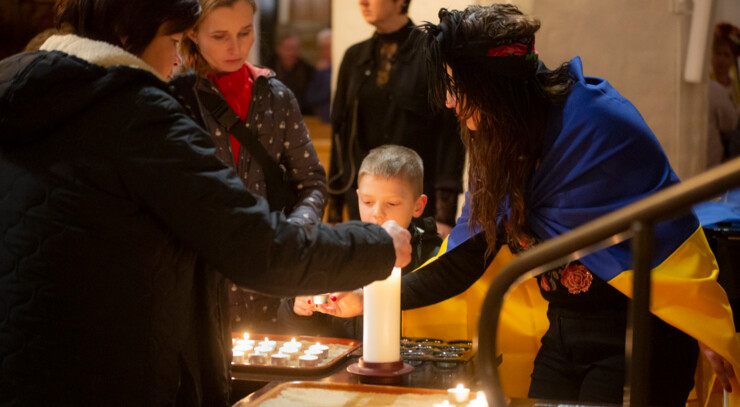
(237, 356)
(267, 342)
(323, 348)
(308, 361)
(243, 347)
(293, 344)
(382, 321)
(314, 352)
(459, 393)
(443, 404)
(264, 349)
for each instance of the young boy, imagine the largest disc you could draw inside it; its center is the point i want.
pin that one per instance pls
(389, 187)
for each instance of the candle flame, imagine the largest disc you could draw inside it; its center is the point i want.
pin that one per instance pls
(246, 336)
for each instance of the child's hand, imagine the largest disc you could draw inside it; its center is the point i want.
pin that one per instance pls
(303, 306)
(343, 304)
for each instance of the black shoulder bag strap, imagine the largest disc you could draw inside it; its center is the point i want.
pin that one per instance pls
(279, 195)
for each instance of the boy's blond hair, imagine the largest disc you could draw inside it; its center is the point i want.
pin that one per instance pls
(393, 161)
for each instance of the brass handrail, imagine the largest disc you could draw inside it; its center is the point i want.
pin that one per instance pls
(635, 220)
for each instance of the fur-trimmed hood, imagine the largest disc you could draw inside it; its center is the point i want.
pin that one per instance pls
(96, 52)
(42, 89)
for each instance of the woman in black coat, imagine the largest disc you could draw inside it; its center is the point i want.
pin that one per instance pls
(113, 209)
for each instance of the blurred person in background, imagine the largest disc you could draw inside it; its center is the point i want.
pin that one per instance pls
(291, 69)
(318, 93)
(724, 96)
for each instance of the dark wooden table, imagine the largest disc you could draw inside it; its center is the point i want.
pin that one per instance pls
(427, 374)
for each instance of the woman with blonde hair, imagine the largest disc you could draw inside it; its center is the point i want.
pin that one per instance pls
(278, 152)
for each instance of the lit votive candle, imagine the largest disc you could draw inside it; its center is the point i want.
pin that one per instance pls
(292, 352)
(480, 400)
(264, 349)
(257, 358)
(245, 348)
(237, 356)
(308, 361)
(244, 343)
(267, 342)
(459, 393)
(279, 359)
(314, 352)
(323, 348)
(293, 343)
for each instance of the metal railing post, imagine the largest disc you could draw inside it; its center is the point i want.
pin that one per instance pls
(637, 352)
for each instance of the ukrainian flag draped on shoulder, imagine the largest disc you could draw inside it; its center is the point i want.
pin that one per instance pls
(599, 156)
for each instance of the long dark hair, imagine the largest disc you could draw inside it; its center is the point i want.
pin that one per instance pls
(129, 24)
(508, 94)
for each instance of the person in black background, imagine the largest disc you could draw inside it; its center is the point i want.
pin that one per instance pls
(381, 98)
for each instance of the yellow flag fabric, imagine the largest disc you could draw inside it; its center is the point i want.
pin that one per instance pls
(523, 322)
(685, 293)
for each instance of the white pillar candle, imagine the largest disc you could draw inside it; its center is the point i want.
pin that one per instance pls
(381, 335)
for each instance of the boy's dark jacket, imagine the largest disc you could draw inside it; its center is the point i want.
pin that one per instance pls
(425, 243)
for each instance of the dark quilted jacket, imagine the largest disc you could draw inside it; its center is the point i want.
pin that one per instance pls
(113, 209)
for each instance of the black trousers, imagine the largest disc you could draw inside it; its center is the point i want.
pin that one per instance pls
(582, 359)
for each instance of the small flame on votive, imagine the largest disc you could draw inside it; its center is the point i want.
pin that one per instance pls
(460, 386)
(246, 336)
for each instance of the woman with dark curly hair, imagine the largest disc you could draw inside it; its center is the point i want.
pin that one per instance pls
(551, 150)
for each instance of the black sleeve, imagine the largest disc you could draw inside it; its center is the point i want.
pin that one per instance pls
(168, 165)
(446, 277)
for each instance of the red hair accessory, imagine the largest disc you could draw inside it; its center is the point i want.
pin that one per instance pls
(511, 49)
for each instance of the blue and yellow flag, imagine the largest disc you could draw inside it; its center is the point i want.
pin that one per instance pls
(599, 156)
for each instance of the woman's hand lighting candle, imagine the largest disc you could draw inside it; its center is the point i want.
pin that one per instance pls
(382, 321)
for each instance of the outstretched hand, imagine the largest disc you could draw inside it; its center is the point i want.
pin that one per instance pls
(343, 304)
(302, 306)
(401, 242)
(721, 366)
